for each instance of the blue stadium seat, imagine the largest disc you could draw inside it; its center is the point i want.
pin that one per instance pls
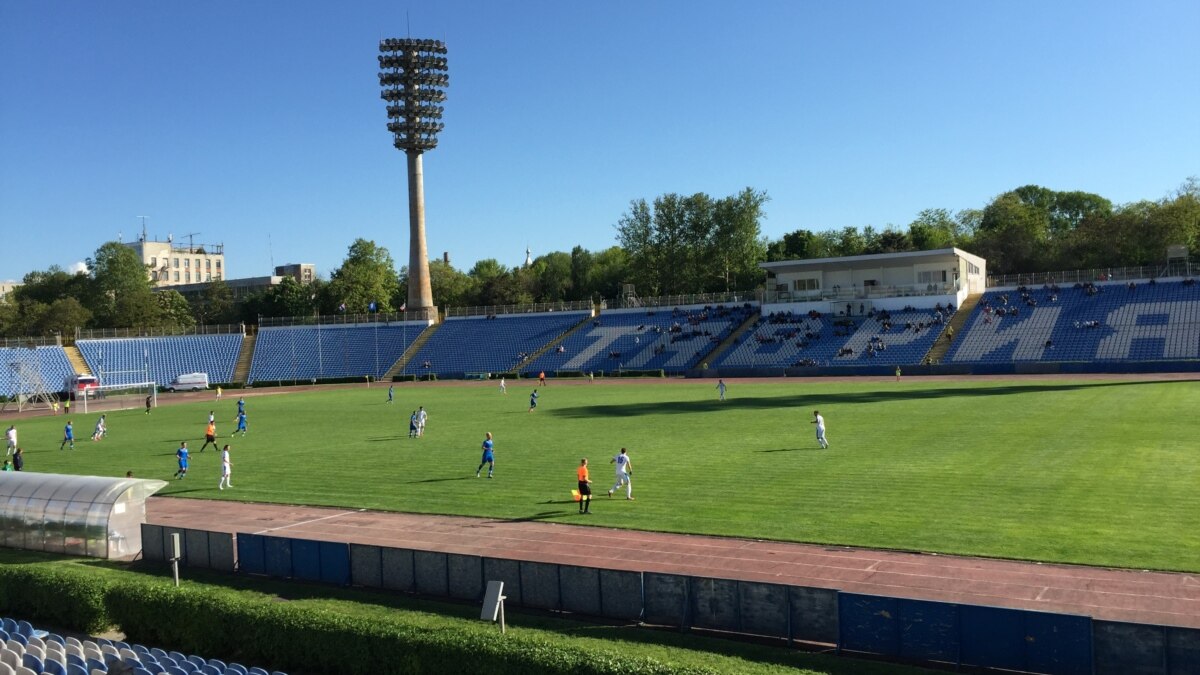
(480, 344)
(304, 353)
(666, 338)
(1100, 322)
(162, 359)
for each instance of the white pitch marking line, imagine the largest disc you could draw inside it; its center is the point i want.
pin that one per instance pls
(306, 522)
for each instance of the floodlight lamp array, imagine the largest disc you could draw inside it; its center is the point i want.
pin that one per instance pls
(413, 78)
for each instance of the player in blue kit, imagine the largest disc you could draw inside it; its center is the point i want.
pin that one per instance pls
(68, 436)
(488, 457)
(241, 424)
(241, 405)
(182, 455)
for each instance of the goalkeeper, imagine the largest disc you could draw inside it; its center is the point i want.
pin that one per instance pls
(624, 474)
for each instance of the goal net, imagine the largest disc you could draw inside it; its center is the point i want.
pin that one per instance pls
(108, 397)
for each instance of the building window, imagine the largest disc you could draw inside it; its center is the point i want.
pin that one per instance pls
(972, 269)
(931, 277)
(207, 264)
(806, 284)
(154, 276)
(177, 276)
(207, 277)
(186, 263)
(176, 267)
(187, 276)
(218, 264)
(197, 263)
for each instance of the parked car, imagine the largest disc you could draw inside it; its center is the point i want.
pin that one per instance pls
(189, 382)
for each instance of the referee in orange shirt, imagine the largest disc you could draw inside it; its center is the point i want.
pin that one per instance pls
(585, 487)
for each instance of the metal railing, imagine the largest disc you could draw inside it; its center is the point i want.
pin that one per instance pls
(207, 329)
(338, 319)
(1180, 269)
(855, 293)
(489, 310)
(32, 341)
(728, 298)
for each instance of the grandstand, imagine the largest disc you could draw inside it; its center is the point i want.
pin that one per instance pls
(490, 344)
(673, 340)
(880, 338)
(161, 359)
(295, 353)
(52, 367)
(1115, 321)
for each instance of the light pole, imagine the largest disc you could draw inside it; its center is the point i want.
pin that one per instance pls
(413, 77)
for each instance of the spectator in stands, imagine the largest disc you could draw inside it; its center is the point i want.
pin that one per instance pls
(1049, 344)
(949, 333)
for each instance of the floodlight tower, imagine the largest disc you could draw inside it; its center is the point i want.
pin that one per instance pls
(413, 77)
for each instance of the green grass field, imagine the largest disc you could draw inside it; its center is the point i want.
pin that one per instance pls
(1094, 472)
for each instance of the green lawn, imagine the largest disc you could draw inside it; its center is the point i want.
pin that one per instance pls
(1094, 472)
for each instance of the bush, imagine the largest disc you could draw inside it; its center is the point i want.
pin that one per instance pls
(60, 595)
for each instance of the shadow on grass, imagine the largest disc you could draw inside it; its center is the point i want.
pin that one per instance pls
(814, 400)
(790, 450)
(379, 439)
(439, 480)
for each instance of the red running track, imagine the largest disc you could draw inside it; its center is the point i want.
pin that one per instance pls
(1110, 594)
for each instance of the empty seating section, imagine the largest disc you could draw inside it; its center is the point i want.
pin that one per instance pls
(308, 352)
(673, 340)
(882, 338)
(1092, 322)
(162, 359)
(23, 646)
(23, 366)
(490, 345)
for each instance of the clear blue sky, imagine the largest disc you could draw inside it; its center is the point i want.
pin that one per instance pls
(259, 124)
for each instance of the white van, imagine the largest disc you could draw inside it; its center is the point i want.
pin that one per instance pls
(189, 382)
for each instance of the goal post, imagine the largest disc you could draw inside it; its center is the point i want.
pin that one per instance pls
(109, 397)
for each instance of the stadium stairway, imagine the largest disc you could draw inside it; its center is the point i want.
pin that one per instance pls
(402, 362)
(77, 361)
(554, 343)
(733, 339)
(940, 346)
(241, 370)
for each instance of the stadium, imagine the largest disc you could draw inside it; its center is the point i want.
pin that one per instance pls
(876, 358)
(966, 444)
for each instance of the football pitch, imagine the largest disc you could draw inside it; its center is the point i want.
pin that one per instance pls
(1100, 472)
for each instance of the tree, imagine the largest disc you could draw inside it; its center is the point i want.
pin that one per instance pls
(367, 275)
(933, 229)
(554, 279)
(609, 270)
(120, 292)
(451, 287)
(798, 245)
(693, 244)
(63, 317)
(215, 304)
(736, 244)
(174, 310)
(1014, 235)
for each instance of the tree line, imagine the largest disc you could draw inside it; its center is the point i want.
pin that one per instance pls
(674, 244)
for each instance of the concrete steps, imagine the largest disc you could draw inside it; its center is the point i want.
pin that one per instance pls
(241, 371)
(77, 361)
(941, 345)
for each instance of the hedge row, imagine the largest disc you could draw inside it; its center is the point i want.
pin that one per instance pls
(254, 628)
